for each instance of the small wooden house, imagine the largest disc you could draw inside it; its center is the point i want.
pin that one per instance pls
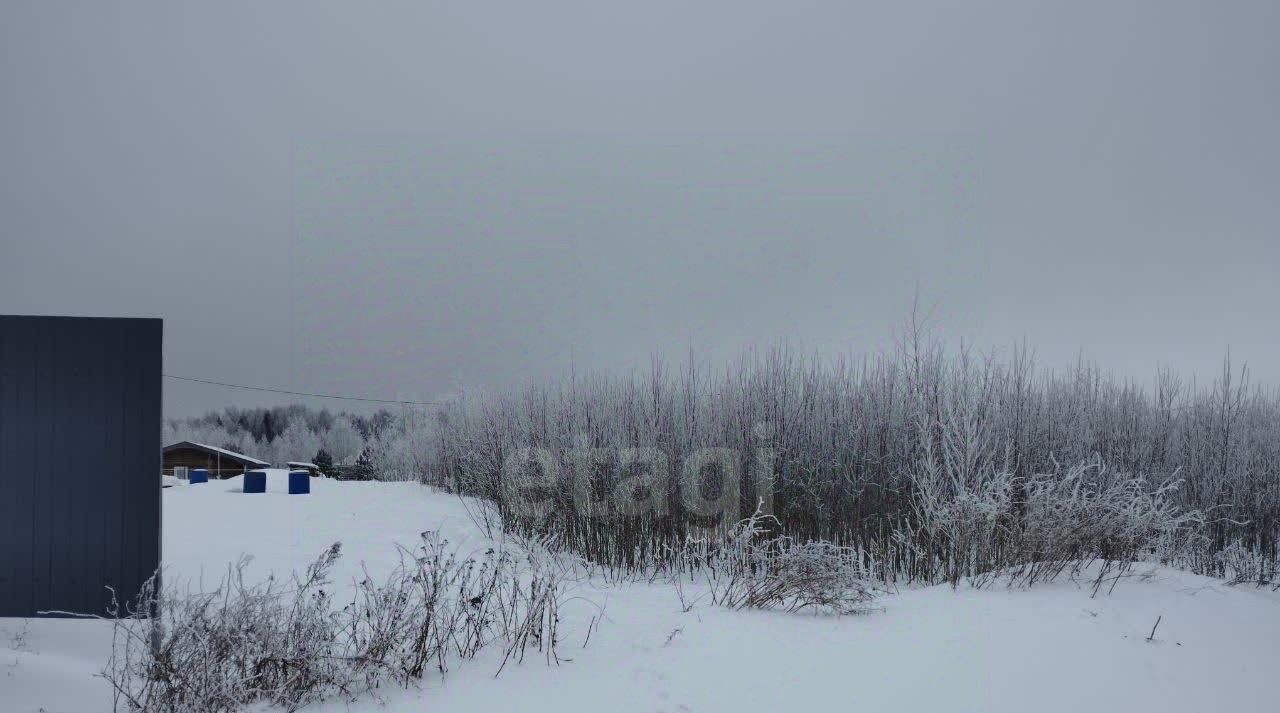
(220, 462)
(311, 468)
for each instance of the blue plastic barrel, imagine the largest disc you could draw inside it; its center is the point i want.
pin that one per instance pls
(255, 481)
(299, 482)
(197, 476)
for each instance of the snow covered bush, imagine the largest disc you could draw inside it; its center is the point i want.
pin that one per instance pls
(295, 644)
(1240, 564)
(746, 568)
(976, 519)
(220, 650)
(1088, 514)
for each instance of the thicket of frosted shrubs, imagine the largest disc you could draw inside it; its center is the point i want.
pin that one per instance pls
(931, 466)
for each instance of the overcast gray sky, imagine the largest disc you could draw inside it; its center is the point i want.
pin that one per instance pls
(394, 199)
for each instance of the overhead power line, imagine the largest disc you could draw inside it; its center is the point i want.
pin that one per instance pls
(301, 393)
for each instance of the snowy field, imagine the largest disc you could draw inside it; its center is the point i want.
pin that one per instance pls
(1051, 648)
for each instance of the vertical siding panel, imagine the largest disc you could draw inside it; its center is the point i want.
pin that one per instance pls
(22, 461)
(95, 361)
(120, 451)
(108, 516)
(128, 480)
(10, 525)
(59, 503)
(69, 507)
(129, 531)
(98, 397)
(142, 461)
(45, 396)
(69, 503)
(153, 442)
(11, 522)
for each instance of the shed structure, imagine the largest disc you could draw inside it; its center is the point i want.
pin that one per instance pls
(220, 462)
(311, 468)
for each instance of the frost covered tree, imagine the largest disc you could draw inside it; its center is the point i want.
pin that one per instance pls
(343, 442)
(390, 457)
(298, 443)
(324, 462)
(402, 449)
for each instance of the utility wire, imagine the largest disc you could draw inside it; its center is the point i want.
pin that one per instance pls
(302, 393)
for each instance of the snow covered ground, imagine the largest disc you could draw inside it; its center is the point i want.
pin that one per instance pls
(1051, 648)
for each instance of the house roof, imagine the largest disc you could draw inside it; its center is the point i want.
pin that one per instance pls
(304, 464)
(247, 460)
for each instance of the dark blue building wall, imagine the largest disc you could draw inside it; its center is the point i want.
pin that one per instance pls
(80, 429)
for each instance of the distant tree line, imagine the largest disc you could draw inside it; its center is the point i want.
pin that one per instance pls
(344, 442)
